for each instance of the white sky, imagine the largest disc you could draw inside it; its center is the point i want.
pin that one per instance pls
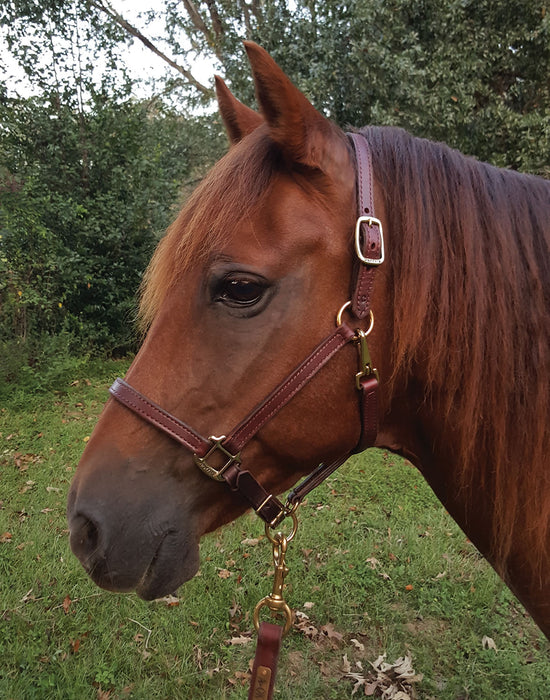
(142, 62)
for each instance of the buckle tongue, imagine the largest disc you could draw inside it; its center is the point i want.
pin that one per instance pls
(209, 470)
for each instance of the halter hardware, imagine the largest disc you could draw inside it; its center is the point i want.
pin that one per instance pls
(371, 222)
(365, 363)
(275, 601)
(212, 472)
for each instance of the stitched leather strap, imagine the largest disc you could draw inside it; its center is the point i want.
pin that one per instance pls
(265, 662)
(370, 239)
(267, 506)
(157, 416)
(240, 435)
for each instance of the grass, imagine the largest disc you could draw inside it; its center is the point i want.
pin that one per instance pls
(377, 566)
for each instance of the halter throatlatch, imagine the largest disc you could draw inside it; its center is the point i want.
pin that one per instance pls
(219, 457)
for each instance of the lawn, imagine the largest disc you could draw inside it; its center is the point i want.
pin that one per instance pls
(377, 568)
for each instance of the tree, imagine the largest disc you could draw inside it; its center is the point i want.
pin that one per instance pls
(83, 198)
(472, 73)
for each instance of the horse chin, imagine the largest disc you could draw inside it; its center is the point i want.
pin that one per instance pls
(168, 570)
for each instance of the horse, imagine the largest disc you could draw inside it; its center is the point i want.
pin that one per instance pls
(247, 282)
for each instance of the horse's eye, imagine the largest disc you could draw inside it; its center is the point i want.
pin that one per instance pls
(241, 292)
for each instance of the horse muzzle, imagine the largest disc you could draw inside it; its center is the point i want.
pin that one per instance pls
(137, 538)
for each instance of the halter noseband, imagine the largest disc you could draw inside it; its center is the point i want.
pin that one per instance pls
(220, 457)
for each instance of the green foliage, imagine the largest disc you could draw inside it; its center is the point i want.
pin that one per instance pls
(472, 74)
(89, 176)
(83, 198)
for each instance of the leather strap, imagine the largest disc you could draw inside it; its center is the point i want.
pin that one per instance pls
(267, 506)
(265, 661)
(157, 416)
(370, 238)
(278, 398)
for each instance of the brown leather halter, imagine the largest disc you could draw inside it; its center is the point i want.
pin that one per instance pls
(225, 451)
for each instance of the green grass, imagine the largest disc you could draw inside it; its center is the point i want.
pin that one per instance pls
(376, 560)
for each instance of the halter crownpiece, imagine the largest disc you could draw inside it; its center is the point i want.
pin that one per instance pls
(220, 457)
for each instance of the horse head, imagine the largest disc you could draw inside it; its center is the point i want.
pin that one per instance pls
(245, 284)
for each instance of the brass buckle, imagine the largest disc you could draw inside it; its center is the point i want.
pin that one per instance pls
(212, 472)
(370, 221)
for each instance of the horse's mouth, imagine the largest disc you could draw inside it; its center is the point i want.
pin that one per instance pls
(172, 564)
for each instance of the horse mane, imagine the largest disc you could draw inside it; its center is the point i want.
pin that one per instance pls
(471, 283)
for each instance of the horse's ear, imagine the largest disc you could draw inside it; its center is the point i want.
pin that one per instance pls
(306, 136)
(239, 120)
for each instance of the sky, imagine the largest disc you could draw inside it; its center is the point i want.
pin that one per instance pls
(141, 61)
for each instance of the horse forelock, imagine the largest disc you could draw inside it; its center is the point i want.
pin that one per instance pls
(230, 193)
(470, 257)
(226, 196)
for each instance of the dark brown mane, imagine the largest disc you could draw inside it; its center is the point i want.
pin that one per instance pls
(470, 264)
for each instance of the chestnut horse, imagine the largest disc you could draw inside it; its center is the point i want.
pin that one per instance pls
(247, 281)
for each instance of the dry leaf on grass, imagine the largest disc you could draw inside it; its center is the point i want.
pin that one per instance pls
(488, 643)
(239, 641)
(169, 600)
(391, 681)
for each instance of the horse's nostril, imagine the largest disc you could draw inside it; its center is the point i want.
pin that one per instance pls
(84, 536)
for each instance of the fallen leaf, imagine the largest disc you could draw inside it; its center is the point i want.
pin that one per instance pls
(66, 604)
(224, 573)
(346, 666)
(5, 537)
(239, 641)
(331, 633)
(169, 600)
(357, 644)
(251, 541)
(488, 643)
(409, 587)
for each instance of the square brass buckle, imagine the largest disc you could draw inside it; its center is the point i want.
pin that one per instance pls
(370, 221)
(213, 472)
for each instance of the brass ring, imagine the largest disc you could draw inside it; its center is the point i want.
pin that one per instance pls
(278, 537)
(341, 313)
(276, 607)
(344, 308)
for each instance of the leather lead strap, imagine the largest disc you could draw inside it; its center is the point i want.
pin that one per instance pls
(265, 662)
